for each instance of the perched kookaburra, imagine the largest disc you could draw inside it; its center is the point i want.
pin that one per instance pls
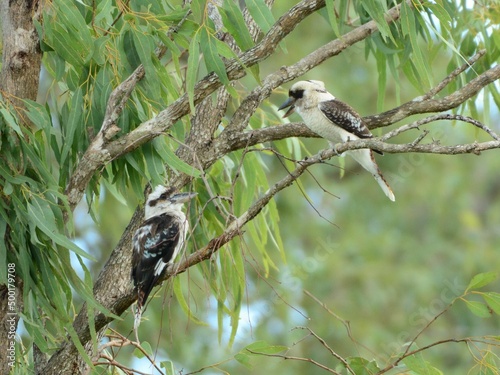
(335, 121)
(157, 241)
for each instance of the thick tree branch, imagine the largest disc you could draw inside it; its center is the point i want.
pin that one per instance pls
(285, 74)
(232, 140)
(96, 157)
(235, 226)
(423, 105)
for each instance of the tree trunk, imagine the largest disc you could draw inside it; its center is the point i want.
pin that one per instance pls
(18, 80)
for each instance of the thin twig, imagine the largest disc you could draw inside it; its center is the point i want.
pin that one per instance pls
(121, 341)
(438, 117)
(316, 363)
(441, 85)
(332, 352)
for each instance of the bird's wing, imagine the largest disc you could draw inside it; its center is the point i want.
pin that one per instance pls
(345, 117)
(154, 244)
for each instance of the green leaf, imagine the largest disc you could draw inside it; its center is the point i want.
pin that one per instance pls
(11, 122)
(330, 9)
(261, 14)
(173, 160)
(155, 165)
(144, 47)
(233, 20)
(408, 27)
(44, 219)
(481, 279)
(75, 30)
(478, 308)
(493, 301)
(211, 56)
(192, 67)
(418, 365)
(73, 123)
(3, 252)
(244, 359)
(99, 54)
(362, 366)
(147, 348)
(198, 9)
(76, 341)
(168, 366)
(183, 303)
(39, 115)
(262, 347)
(376, 10)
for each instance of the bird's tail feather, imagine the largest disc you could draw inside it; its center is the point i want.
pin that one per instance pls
(366, 159)
(385, 186)
(137, 318)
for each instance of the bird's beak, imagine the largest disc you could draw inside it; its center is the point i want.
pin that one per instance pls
(290, 102)
(182, 197)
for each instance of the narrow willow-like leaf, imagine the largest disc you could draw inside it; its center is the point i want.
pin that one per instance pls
(84, 290)
(211, 56)
(233, 20)
(43, 217)
(3, 249)
(155, 165)
(10, 121)
(177, 287)
(72, 51)
(330, 9)
(71, 17)
(376, 10)
(39, 115)
(76, 341)
(198, 9)
(409, 28)
(192, 67)
(76, 28)
(73, 124)
(262, 347)
(173, 161)
(144, 46)
(261, 14)
(382, 79)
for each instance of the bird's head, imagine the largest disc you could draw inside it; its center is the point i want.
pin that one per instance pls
(163, 199)
(301, 92)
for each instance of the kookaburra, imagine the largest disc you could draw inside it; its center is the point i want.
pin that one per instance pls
(335, 121)
(157, 241)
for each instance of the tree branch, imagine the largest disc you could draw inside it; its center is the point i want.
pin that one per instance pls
(425, 104)
(101, 153)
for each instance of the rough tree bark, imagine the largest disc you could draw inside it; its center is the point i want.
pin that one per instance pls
(18, 80)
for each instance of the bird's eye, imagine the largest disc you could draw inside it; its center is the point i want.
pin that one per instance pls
(164, 196)
(297, 94)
